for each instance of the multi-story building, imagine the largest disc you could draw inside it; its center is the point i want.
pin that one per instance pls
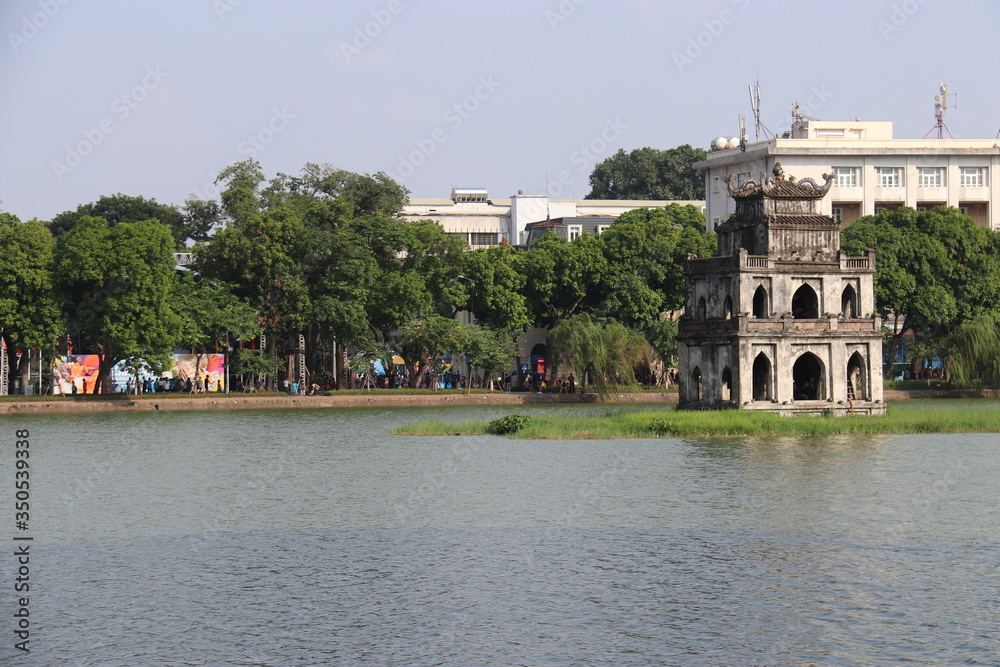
(485, 221)
(874, 170)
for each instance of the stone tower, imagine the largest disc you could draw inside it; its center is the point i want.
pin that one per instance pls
(780, 319)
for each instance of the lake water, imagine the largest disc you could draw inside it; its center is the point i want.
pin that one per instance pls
(314, 537)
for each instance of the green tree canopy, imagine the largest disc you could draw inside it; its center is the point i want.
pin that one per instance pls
(935, 270)
(119, 208)
(491, 287)
(118, 287)
(649, 173)
(30, 315)
(645, 251)
(562, 278)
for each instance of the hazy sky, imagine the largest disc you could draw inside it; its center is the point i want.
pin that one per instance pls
(155, 98)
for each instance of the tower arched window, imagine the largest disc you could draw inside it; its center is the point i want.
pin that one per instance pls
(805, 303)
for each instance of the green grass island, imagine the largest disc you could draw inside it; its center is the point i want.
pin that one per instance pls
(960, 416)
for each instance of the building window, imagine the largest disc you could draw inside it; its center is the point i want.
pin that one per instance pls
(888, 177)
(964, 210)
(715, 184)
(602, 228)
(837, 214)
(847, 177)
(483, 238)
(930, 177)
(829, 132)
(575, 231)
(742, 178)
(972, 177)
(880, 209)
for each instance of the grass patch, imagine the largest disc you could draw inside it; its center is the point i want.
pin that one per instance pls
(911, 385)
(979, 416)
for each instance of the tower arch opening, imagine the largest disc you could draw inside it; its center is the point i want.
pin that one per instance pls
(857, 382)
(808, 378)
(762, 378)
(805, 303)
(760, 307)
(849, 303)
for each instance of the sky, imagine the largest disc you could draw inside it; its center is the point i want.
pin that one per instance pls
(156, 98)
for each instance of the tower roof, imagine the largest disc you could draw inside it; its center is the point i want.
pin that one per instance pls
(778, 186)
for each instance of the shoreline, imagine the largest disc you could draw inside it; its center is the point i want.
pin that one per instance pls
(249, 402)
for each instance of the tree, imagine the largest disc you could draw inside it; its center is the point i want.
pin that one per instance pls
(649, 173)
(425, 342)
(645, 251)
(118, 284)
(490, 286)
(607, 353)
(30, 315)
(119, 208)
(488, 349)
(935, 270)
(211, 315)
(200, 218)
(241, 199)
(973, 351)
(562, 278)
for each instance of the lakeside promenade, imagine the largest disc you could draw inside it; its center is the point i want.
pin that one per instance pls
(166, 402)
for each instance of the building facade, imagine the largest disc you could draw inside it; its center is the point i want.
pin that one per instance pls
(470, 212)
(874, 170)
(780, 319)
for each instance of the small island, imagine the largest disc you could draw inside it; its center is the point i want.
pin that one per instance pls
(968, 416)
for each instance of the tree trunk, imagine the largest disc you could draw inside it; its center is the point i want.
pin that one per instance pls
(341, 367)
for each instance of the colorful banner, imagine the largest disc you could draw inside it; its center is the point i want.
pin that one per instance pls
(77, 374)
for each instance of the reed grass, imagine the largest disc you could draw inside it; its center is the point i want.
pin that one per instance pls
(973, 416)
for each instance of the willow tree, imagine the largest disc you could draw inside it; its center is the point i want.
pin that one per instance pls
(605, 353)
(972, 351)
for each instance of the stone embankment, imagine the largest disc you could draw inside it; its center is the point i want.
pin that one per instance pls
(373, 400)
(250, 402)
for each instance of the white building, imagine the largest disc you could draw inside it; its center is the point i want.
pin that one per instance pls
(874, 170)
(486, 222)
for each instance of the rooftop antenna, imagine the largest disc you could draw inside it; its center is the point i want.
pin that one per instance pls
(798, 116)
(743, 134)
(755, 105)
(940, 107)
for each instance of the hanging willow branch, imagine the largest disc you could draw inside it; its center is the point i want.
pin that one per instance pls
(972, 351)
(607, 353)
